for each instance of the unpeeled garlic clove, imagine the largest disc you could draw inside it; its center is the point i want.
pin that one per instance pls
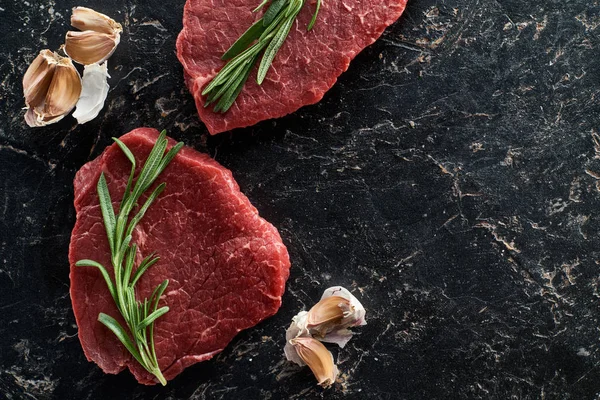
(64, 90)
(38, 77)
(97, 40)
(90, 47)
(85, 19)
(326, 314)
(51, 87)
(94, 92)
(330, 318)
(318, 358)
(354, 312)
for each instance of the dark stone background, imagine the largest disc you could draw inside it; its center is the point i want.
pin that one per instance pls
(450, 179)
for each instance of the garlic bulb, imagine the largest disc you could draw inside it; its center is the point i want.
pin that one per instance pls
(51, 87)
(318, 358)
(93, 95)
(97, 40)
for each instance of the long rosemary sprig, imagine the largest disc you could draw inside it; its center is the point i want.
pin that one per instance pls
(139, 316)
(265, 36)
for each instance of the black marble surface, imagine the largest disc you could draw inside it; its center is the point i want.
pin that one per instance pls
(451, 179)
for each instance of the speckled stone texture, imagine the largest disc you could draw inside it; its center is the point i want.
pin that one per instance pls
(450, 179)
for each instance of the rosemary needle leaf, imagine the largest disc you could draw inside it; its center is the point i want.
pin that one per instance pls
(108, 213)
(125, 150)
(225, 87)
(131, 159)
(272, 50)
(152, 317)
(245, 40)
(273, 11)
(120, 256)
(145, 264)
(227, 101)
(261, 5)
(169, 156)
(314, 17)
(135, 220)
(120, 333)
(129, 263)
(158, 292)
(91, 263)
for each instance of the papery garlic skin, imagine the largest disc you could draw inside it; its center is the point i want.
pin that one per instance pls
(297, 329)
(94, 92)
(318, 358)
(51, 87)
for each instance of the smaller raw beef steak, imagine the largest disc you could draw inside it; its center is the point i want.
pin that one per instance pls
(226, 265)
(307, 65)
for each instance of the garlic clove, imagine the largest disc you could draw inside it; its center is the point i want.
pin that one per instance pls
(64, 89)
(318, 358)
(94, 92)
(38, 77)
(354, 312)
(90, 47)
(51, 87)
(85, 19)
(326, 314)
(353, 315)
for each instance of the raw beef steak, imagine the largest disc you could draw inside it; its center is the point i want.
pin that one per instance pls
(307, 65)
(226, 265)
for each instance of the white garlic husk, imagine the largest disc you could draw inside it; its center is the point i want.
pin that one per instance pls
(94, 92)
(297, 329)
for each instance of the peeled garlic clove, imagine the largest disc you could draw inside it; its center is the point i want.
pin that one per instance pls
(51, 87)
(318, 358)
(38, 77)
(90, 47)
(94, 92)
(85, 19)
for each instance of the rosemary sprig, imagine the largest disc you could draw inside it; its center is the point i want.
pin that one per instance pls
(265, 36)
(138, 339)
